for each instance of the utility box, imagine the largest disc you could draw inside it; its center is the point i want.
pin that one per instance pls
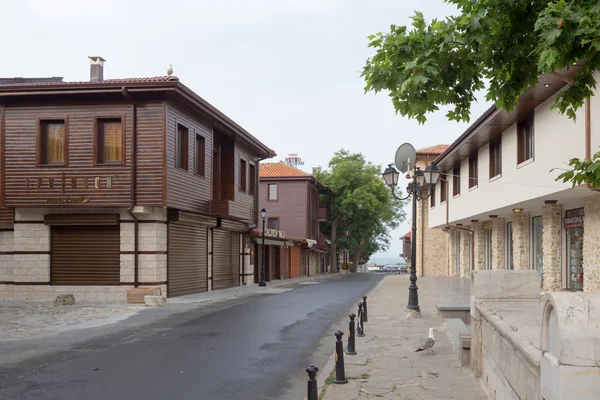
(570, 344)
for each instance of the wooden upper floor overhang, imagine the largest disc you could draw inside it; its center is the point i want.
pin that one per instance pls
(130, 89)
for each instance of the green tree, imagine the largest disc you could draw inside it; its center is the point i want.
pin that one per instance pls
(497, 45)
(361, 208)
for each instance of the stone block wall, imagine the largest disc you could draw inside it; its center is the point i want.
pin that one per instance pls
(479, 245)
(313, 262)
(520, 241)
(31, 259)
(591, 245)
(465, 254)
(551, 246)
(498, 243)
(451, 244)
(6, 256)
(433, 259)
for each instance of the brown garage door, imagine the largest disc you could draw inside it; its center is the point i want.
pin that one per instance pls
(226, 267)
(187, 268)
(85, 255)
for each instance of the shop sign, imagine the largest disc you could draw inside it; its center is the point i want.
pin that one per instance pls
(64, 183)
(274, 233)
(573, 222)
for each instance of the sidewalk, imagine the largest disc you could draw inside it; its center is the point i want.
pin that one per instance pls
(387, 365)
(31, 319)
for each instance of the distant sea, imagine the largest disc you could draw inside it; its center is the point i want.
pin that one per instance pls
(383, 260)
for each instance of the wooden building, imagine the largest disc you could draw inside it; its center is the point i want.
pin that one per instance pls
(291, 198)
(120, 183)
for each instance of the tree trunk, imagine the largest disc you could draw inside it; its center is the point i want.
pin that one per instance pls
(358, 251)
(333, 251)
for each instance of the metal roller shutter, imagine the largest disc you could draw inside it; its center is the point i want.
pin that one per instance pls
(226, 273)
(187, 268)
(85, 255)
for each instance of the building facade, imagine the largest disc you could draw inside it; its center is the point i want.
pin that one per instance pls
(501, 202)
(432, 244)
(114, 184)
(296, 246)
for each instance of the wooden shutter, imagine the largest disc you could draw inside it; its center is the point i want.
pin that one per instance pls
(187, 268)
(226, 273)
(83, 255)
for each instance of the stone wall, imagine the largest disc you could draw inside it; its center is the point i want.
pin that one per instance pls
(479, 245)
(313, 262)
(591, 245)
(451, 244)
(433, 259)
(520, 241)
(6, 263)
(465, 254)
(551, 246)
(31, 261)
(498, 243)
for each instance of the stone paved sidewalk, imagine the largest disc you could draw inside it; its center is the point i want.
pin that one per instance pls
(387, 366)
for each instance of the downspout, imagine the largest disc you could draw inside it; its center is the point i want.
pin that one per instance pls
(133, 191)
(588, 126)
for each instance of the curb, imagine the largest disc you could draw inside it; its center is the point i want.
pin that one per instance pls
(330, 365)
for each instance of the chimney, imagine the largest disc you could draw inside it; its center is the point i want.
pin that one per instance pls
(96, 68)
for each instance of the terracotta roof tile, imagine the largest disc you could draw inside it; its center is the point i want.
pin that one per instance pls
(433, 150)
(152, 79)
(408, 235)
(280, 170)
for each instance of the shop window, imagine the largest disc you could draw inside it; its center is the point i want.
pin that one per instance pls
(573, 224)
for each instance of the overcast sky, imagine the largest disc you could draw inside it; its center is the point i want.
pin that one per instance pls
(286, 70)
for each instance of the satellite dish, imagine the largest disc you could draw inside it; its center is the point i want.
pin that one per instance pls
(404, 155)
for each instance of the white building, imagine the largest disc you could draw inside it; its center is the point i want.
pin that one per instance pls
(500, 200)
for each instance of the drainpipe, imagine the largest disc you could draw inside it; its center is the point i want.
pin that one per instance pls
(133, 192)
(588, 124)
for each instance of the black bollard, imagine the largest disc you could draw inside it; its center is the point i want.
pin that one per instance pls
(351, 350)
(340, 373)
(365, 319)
(360, 327)
(311, 392)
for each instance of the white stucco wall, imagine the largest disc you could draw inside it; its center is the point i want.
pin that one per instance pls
(557, 139)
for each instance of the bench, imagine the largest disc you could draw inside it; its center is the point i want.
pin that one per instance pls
(462, 311)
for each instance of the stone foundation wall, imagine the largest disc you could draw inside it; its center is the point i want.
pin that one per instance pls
(498, 243)
(591, 245)
(520, 241)
(313, 263)
(6, 256)
(551, 246)
(30, 242)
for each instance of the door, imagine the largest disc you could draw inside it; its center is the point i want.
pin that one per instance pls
(85, 255)
(295, 263)
(187, 260)
(226, 269)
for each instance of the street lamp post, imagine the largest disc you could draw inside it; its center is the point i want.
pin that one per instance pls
(419, 179)
(263, 214)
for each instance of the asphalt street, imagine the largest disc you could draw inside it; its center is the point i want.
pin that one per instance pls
(256, 347)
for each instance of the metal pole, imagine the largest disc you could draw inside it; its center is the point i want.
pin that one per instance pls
(365, 317)
(312, 392)
(262, 268)
(351, 349)
(360, 327)
(413, 295)
(340, 372)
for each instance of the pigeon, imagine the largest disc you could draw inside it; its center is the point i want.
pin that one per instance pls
(170, 70)
(429, 342)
